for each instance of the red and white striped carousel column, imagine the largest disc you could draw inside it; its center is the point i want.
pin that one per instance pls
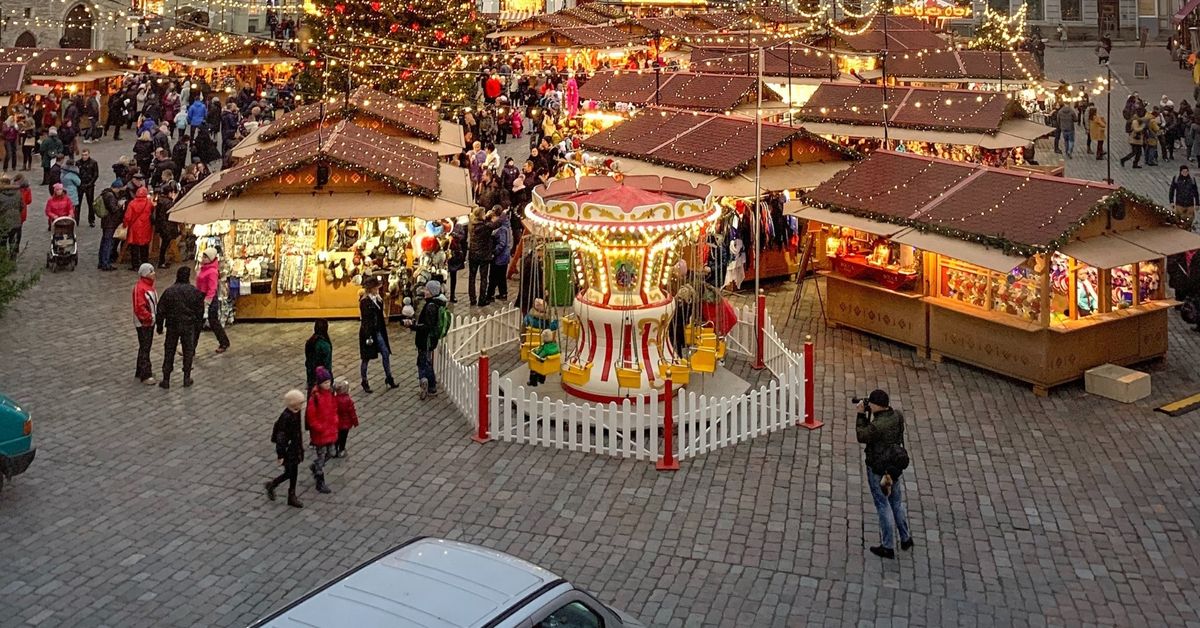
(613, 337)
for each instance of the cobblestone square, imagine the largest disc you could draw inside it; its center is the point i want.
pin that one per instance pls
(145, 507)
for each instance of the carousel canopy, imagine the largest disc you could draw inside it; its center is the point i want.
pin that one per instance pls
(1018, 212)
(369, 175)
(683, 90)
(919, 108)
(960, 65)
(801, 61)
(420, 121)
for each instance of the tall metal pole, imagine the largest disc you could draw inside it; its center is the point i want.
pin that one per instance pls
(1107, 128)
(883, 72)
(758, 178)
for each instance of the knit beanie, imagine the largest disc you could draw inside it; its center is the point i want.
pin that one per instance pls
(323, 374)
(145, 270)
(434, 287)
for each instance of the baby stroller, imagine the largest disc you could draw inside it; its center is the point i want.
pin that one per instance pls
(64, 252)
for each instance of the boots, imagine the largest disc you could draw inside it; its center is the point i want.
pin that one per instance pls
(391, 383)
(270, 486)
(187, 380)
(366, 387)
(165, 383)
(293, 502)
(322, 487)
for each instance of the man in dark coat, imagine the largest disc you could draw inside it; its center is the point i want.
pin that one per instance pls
(89, 171)
(479, 255)
(372, 333)
(881, 428)
(113, 210)
(181, 311)
(179, 155)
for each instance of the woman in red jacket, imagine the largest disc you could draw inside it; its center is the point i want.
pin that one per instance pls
(322, 419)
(137, 221)
(58, 205)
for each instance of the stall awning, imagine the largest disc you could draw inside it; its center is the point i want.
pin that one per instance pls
(1107, 251)
(874, 227)
(970, 252)
(82, 77)
(794, 176)
(1185, 10)
(1012, 134)
(1163, 240)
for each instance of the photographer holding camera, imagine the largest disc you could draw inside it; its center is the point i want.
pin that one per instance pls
(881, 429)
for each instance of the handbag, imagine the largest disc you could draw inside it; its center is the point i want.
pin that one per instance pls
(121, 232)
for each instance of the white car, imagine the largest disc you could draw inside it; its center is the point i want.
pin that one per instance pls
(435, 583)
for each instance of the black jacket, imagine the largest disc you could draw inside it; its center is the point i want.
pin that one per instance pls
(143, 151)
(158, 167)
(89, 172)
(115, 212)
(1183, 191)
(181, 307)
(370, 322)
(288, 437)
(479, 241)
(884, 429)
(427, 322)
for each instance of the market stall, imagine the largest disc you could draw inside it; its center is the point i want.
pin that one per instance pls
(223, 60)
(981, 127)
(301, 223)
(719, 152)
(858, 49)
(12, 80)
(791, 69)
(1035, 277)
(586, 48)
(382, 112)
(681, 90)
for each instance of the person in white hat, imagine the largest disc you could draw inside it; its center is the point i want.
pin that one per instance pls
(145, 311)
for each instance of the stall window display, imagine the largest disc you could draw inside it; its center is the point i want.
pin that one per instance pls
(297, 257)
(859, 255)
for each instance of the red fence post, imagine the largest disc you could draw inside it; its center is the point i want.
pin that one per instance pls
(810, 419)
(484, 376)
(760, 333)
(668, 462)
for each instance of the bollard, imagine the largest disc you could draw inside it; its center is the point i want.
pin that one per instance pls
(668, 462)
(810, 420)
(760, 333)
(484, 376)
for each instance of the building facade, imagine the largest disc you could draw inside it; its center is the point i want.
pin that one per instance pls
(1125, 18)
(113, 24)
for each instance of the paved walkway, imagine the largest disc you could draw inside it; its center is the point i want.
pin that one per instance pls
(144, 506)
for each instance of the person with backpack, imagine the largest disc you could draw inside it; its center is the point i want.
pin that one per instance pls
(431, 325)
(881, 429)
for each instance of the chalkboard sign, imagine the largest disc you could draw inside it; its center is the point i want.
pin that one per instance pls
(1141, 69)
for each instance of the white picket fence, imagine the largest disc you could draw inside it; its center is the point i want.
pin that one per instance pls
(632, 428)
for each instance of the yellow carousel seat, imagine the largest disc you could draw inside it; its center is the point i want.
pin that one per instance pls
(679, 372)
(704, 360)
(629, 377)
(545, 366)
(577, 374)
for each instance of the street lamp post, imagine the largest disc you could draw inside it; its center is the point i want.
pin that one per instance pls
(1108, 127)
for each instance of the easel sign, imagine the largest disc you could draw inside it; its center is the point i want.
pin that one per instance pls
(1141, 69)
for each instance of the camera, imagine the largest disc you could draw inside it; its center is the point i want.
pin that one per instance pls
(857, 400)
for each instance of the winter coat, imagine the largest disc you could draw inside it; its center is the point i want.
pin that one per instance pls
(69, 178)
(370, 323)
(160, 140)
(502, 239)
(1066, 119)
(138, 213)
(162, 218)
(321, 417)
(426, 325)
(207, 279)
(89, 172)
(179, 156)
(181, 307)
(143, 152)
(161, 165)
(114, 213)
(347, 413)
(145, 302)
(318, 351)
(1137, 131)
(479, 241)
(197, 112)
(1097, 127)
(50, 148)
(10, 209)
(1183, 191)
(886, 428)
(58, 207)
(26, 201)
(288, 438)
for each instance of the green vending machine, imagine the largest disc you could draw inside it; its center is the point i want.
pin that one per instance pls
(560, 287)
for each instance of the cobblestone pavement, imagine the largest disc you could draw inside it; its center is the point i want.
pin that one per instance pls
(144, 507)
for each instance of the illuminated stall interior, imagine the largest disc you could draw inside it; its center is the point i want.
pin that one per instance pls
(301, 223)
(586, 48)
(981, 127)
(719, 151)
(858, 49)
(223, 60)
(1036, 277)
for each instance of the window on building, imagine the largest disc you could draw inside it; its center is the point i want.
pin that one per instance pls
(1071, 10)
(252, 25)
(28, 12)
(1035, 10)
(998, 6)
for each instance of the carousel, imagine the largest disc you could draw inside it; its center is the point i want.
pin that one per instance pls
(629, 241)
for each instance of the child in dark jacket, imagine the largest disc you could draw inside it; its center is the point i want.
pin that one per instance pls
(289, 446)
(347, 414)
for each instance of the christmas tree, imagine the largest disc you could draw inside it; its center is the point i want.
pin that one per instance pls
(417, 49)
(998, 31)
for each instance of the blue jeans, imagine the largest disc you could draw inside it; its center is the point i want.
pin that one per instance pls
(384, 353)
(425, 368)
(1151, 155)
(106, 248)
(1068, 141)
(892, 512)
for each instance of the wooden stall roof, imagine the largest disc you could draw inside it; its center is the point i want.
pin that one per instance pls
(719, 20)
(703, 142)
(904, 23)
(406, 168)
(775, 15)
(420, 121)
(589, 14)
(60, 62)
(581, 37)
(682, 90)
(963, 65)
(803, 61)
(1014, 210)
(12, 77)
(872, 41)
(907, 107)
(168, 40)
(669, 25)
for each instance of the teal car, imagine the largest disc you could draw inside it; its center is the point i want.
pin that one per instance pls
(16, 440)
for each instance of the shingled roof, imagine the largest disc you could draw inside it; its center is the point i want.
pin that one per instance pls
(871, 41)
(168, 40)
(406, 168)
(670, 25)
(908, 107)
(963, 65)
(12, 77)
(60, 62)
(421, 121)
(683, 90)
(720, 20)
(709, 143)
(804, 61)
(582, 37)
(1001, 207)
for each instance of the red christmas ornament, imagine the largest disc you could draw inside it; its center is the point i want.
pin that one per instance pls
(405, 75)
(416, 26)
(339, 7)
(393, 28)
(375, 6)
(466, 39)
(439, 34)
